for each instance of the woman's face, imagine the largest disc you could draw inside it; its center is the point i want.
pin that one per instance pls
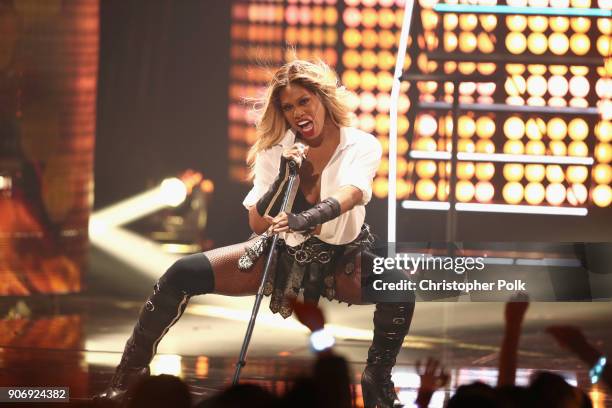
(303, 111)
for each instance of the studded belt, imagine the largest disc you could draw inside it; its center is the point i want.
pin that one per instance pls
(312, 250)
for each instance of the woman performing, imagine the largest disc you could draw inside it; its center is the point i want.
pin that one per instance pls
(304, 118)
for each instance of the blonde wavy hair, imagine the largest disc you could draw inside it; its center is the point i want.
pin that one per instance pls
(318, 78)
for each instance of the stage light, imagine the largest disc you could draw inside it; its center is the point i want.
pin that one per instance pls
(467, 42)
(554, 173)
(577, 174)
(484, 191)
(516, 43)
(464, 191)
(173, 192)
(425, 189)
(383, 102)
(330, 16)
(537, 43)
(385, 81)
(402, 166)
(386, 18)
(577, 194)
(514, 147)
(466, 145)
(539, 24)
(555, 193)
(402, 145)
(602, 195)
(513, 172)
(426, 125)
(485, 146)
(488, 22)
(535, 172)
(603, 87)
(351, 59)
(450, 42)
(465, 170)
(579, 86)
(468, 22)
(386, 60)
(580, 24)
(559, 24)
(351, 17)
(426, 144)
(386, 39)
(369, 18)
(380, 187)
(603, 131)
(369, 39)
(578, 149)
(351, 38)
(578, 129)
(603, 153)
(485, 127)
(383, 168)
(513, 192)
(382, 123)
(467, 68)
(443, 190)
(450, 21)
(368, 102)
(536, 147)
(351, 79)
(602, 174)
(580, 44)
(369, 60)
(331, 37)
(556, 129)
(603, 45)
(466, 127)
(515, 85)
(426, 168)
(558, 85)
(514, 128)
(557, 148)
(535, 128)
(403, 189)
(516, 23)
(515, 69)
(367, 123)
(485, 43)
(534, 193)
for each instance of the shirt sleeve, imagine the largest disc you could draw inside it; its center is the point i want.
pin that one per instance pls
(363, 168)
(265, 174)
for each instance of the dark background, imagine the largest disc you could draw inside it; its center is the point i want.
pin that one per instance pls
(162, 108)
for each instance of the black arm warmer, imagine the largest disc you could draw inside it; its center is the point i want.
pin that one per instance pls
(270, 202)
(322, 212)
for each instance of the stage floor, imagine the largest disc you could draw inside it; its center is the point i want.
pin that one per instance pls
(76, 341)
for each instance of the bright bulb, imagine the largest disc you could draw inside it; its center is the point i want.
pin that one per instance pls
(173, 192)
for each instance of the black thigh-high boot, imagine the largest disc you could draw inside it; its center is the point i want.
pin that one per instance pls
(188, 276)
(391, 324)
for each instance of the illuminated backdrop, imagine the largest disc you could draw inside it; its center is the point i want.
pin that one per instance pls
(556, 156)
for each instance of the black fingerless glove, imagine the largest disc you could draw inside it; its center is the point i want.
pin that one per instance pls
(271, 201)
(322, 212)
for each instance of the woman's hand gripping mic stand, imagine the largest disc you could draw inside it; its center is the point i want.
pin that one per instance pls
(293, 168)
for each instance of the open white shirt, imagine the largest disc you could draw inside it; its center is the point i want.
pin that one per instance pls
(354, 163)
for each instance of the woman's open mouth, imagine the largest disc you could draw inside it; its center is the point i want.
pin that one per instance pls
(306, 128)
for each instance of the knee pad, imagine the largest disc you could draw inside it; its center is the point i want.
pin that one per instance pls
(190, 275)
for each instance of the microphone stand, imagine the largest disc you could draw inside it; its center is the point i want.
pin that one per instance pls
(259, 296)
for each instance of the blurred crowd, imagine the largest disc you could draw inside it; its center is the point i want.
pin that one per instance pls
(329, 383)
